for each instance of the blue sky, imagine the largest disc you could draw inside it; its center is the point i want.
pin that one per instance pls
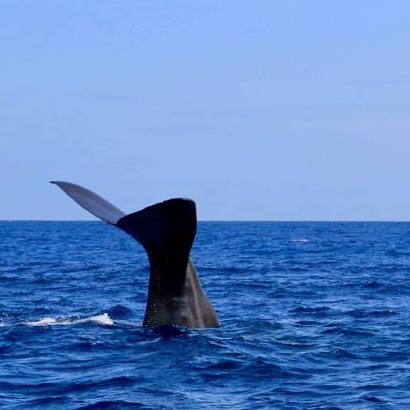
(258, 110)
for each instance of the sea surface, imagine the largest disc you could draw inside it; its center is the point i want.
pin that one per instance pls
(312, 316)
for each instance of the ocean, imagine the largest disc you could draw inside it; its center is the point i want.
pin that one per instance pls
(313, 315)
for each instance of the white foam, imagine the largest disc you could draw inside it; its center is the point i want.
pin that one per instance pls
(103, 319)
(300, 240)
(47, 321)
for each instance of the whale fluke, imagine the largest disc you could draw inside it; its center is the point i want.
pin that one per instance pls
(91, 202)
(166, 231)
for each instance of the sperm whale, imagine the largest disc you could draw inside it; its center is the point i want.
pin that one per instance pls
(166, 231)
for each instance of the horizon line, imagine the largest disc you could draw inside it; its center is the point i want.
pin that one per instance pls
(234, 220)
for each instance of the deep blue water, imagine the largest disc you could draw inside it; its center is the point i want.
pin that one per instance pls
(313, 316)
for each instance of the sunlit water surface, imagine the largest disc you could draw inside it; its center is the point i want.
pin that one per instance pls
(313, 316)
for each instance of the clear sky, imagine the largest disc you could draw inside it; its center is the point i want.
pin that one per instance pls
(258, 110)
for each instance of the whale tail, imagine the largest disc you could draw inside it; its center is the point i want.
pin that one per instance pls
(166, 228)
(166, 231)
(91, 202)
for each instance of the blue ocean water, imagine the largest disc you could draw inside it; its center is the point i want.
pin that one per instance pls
(313, 316)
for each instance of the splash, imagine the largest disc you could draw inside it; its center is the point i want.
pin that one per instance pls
(103, 319)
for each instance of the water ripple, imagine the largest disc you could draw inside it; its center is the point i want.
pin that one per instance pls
(313, 316)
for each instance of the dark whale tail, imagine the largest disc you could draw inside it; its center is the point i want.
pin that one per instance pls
(166, 231)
